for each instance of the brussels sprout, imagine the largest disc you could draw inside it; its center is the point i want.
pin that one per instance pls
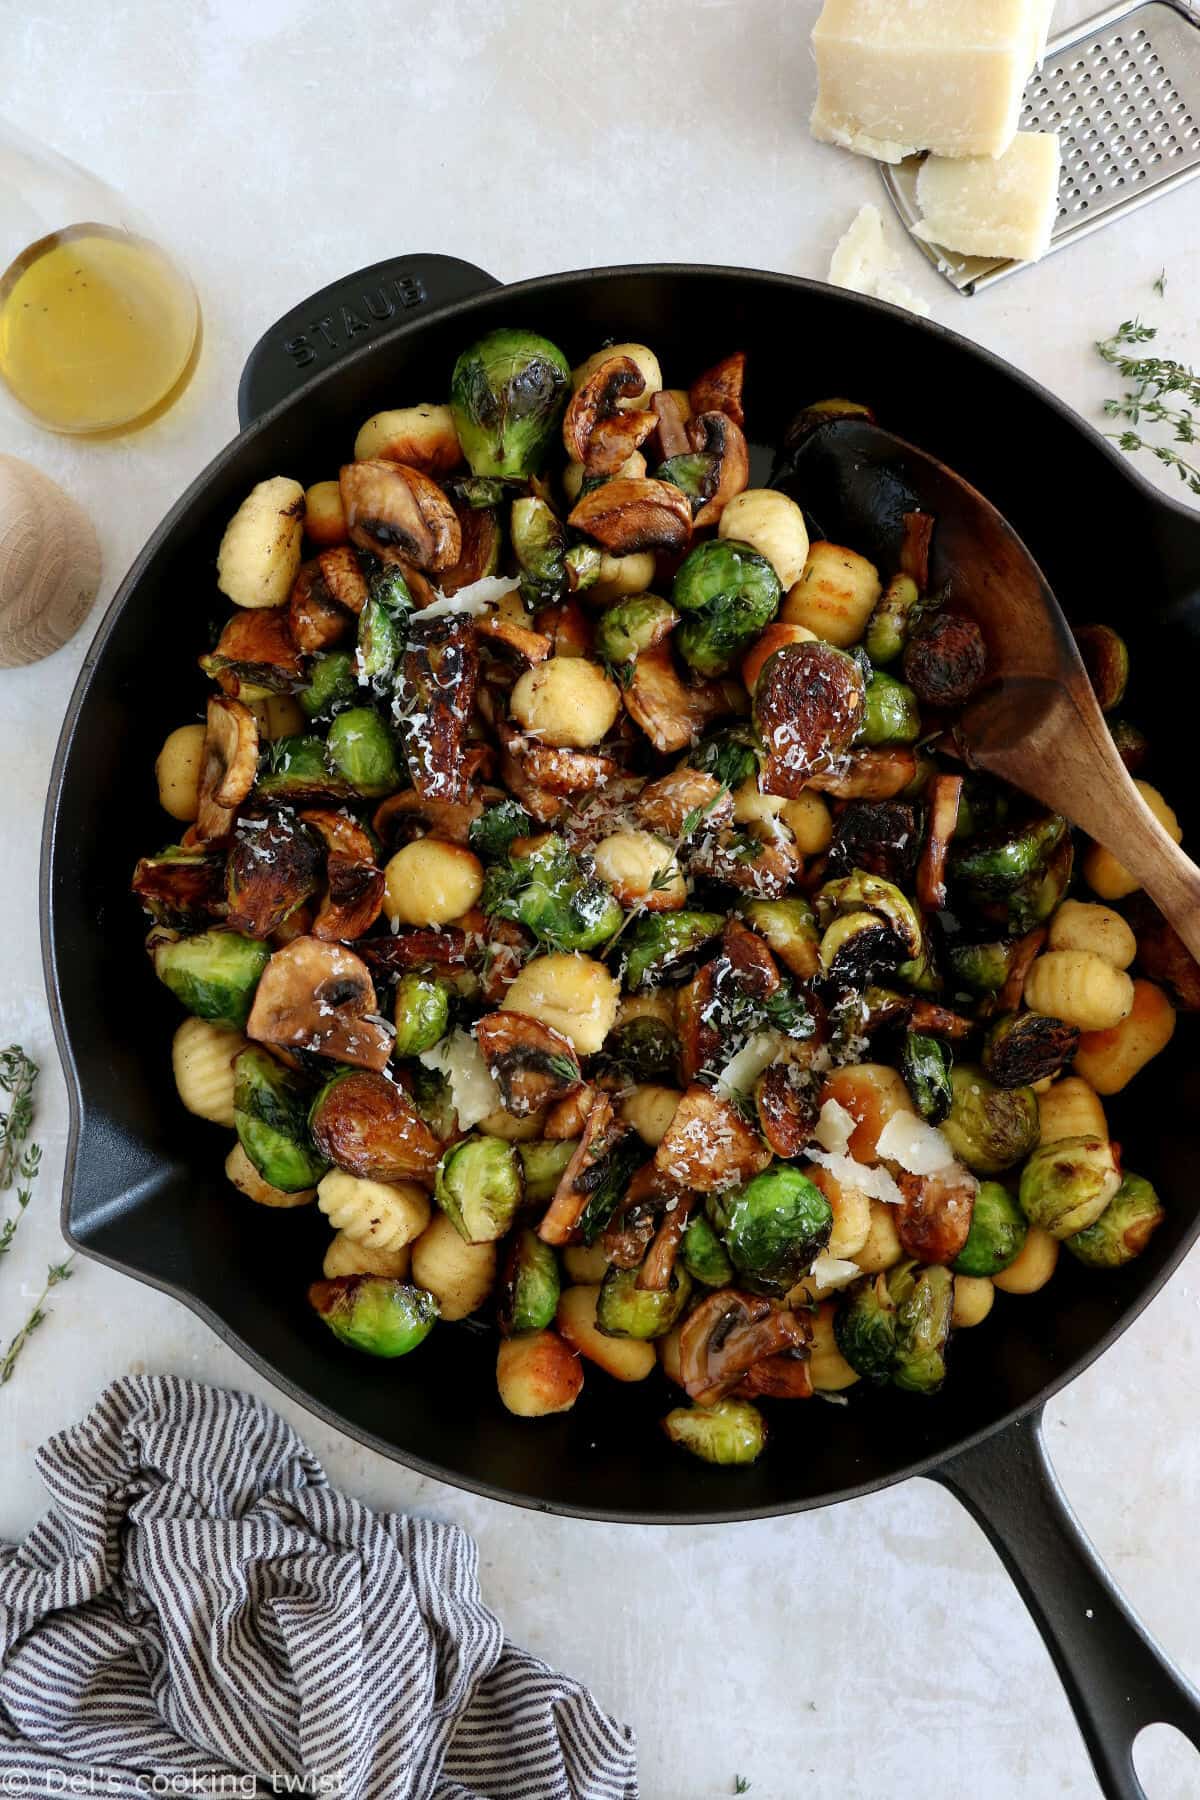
(479, 1187)
(1033, 902)
(656, 942)
(479, 492)
(1123, 1229)
(491, 835)
(374, 1313)
(997, 1234)
(332, 683)
(730, 756)
(945, 659)
(990, 1128)
(363, 750)
(543, 1164)
(925, 1064)
(433, 1098)
(728, 592)
(1000, 861)
(982, 968)
(538, 542)
(582, 565)
(773, 1227)
(864, 1327)
(507, 395)
(643, 1050)
(1022, 1048)
(181, 886)
(924, 1300)
(696, 472)
(891, 714)
(1066, 1185)
(380, 644)
(213, 974)
(1132, 745)
(626, 1310)
(1106, 659)
(422, 1013)
(730, 1433)
(893, 619)
(790, 929)
(861, 891)
(527, 1297)
(270, 1112)
(548, 892)
(297, 774)
(623, 631)
(704, 1255)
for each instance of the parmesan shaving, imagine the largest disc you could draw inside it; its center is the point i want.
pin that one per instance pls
(876, 1184)
(916, 1145)
(834, 1127)
(477, 597)
(473, 1092)
(834, 1271)
(743, 1070)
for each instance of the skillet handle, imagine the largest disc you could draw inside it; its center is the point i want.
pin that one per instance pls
(348, 313)
(1117, 1679)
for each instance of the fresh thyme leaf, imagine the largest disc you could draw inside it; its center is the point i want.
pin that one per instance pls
(19, 1159)
(55, 1274)
(740, 1785)
(1153, 383)
(1160, 286)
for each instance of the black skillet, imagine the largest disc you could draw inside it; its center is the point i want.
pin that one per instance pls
(144, 1189)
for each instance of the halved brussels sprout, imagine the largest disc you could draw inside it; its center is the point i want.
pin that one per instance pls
(332, 683)
(527, 1296)
(864, 1327)
(924, 1300)
(375, 1313)
(1123, 1229)
(730, 756)
(275, 864)
(367, 1125)
(945, 659)
(990, 1128)
(270, 1112)
(491, 835)
(1066, 1185)
(891, 714)
(856, 946)
(297, 774)
(539, 543)
(214, 974)
(773, 1227)
(582, 565)
(479, 1187)
(881, 837)
(925, 1064)
(790, 929)
(808, 706)
(727, 592)
(999, 861)
(641, 1051)
(1132, 745)
(507, 394)
(181, 886)
(890, 624)
(624, 630)
(363, 750)
(548, 892)
(983, 968)
(703, 1254)
(1106, 659)
(543, 1164)
(381, 633)
(656, 942)
(1023, 1048)
(997, 1234)
(422, 1013)
(696, 472)
(731, 1433)
(623, 1309)
(861, 891)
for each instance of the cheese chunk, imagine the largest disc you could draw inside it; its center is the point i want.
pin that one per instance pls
(980, 206)
(897, 76)
(863, 263)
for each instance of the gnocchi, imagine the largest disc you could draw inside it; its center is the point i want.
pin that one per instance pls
(1096, 929)
(346, 1256)
(1110, 1059)
(202, 1056)
(383, 1215)
(772, 524)
(835, 594)
(260, 552)
(1105, 873)
(566, 701)
(572, 994)
(431, 882)
(1080, 988)
(460, 1276)
(537, 1374)
(178, 771)
(324, 514)
(1033, 1265)
(246, 1178)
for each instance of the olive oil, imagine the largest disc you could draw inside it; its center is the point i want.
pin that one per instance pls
(99, 331)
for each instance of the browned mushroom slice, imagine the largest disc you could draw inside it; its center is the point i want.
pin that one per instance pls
(181, 886)
(228, 765)
(666, 804)
(808, 706)
(716, 435)
(764, 867)
(592, 1161)
(568, 628)
(708, 1146)
(567, 1118)
(1023, 957)
(787, 1376)
(316, 620)
(400, 514)
(868, 775)
(425, 950)
(672, 431)
(938, 1021)
(255, 649)
(659, 1264)
(672, 713)
(631, 514)
(638, 1217)
(786, 1104)
(315, 996)
(480, 551)
(753, 970)
(274, 866)
(441, 674)
(506, 950)
(595, 430)
(531, 646)
(560, 771)
(353, 898)
(719, 389)
(409, 814)
(538, 801)
(700, 1036)
(935, 1218)
(914, 548)
(530, 1063)
(340, 832)
(342, 574)
(363, 1123)
(726, 1335)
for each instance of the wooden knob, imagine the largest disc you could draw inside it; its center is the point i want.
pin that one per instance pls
(49, 564)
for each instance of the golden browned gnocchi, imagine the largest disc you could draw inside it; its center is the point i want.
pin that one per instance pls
(625, 1359)
(1096, 929)
(202, 1056)
(566, 701)
(178, 771)
(648, 367)
(537, 1374)
(260, 552)
(1070, 1108)
(773, 525)
(1033, 1265)
(1110, 1059)
(421, 437)
(835, 594)
(460, 1276)
(1080, 988)
(650, 1109)
(431, 882)
(324, 514)
(574, 995)
(383, 1215)
(974, 1297)
(347, 1256)
(1104, 873)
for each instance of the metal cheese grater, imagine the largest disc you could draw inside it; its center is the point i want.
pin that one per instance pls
(1123, 92)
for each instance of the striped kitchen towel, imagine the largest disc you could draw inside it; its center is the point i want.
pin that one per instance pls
(201, 1613)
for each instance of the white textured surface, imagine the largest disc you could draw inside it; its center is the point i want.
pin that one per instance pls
(869, 1650)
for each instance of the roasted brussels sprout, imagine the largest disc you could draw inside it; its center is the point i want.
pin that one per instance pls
(270, 1112)
(990, 1128)
(891, 714)
(727, 592)
(623, 631)
(507, 394)
(1023, 1048)
(656, 942)
(890, 624)
(865, 1328)
(924, 1300)
(790, 928)
(297, 774)
(696, 472)
(997, 1234)
(626, 1310)
(491, 835)
(582, 565)
(332, 683)
(539, 543)
(925, 1064)
(997, 862)
(422, 1013)
(773, 1227)
(1132, 745)
(1066, 1185)
(730, 756)
(543, 1164)
(1032, 903)
(274, 865)
(867, 924)
(548, 892)
(945, 659)
(180, 887)
(214, 974)
(1123, 1229)
(808, 705)
(479, 1187)
(1106, 660)
(363, 750)
(641, 1051)
(704, 1255)
(527, 1297)
(368, 1126)
(981, 968)
(733, 1432)
(374, 1313)
(382, 626)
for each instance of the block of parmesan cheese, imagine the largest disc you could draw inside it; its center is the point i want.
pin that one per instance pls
(992, 206)
(897, 76)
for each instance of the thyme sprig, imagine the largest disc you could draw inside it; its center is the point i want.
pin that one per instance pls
(19, 1159)
(1154, 382)
(55, 1274)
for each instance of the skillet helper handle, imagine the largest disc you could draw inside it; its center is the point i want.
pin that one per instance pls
(1117, 1679)
(345, 315)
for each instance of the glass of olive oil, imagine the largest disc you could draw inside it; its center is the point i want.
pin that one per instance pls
(99, 327)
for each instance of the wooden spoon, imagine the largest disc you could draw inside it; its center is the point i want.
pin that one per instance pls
(1035, 723)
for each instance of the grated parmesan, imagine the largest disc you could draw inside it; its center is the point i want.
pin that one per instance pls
(473, 1092)
(743, 1070)
(477, 597)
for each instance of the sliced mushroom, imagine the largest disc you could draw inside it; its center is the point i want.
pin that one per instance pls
(507, 949)
(538, 801)
(786, 1103)
(228, 765)
(595, 430)
(639, 1215)
(316, 620)
(717, 436)
(660, 1259)
(945, 793)
(628, 515)
(672, 713)
(808, 706)
(409, 814)
(340, 832)
(274, 866)
(935, 1218)
(400, 514)
(753, 970)
(765, 867)
(342, 574)
(555, 771)
(353, 898)
(786, 1376)
(320, 997)
(719, 389)
(531, 1064)
(672, 430)
(568, 628)
(708, 1146)
(255, 649)
(603, 1138)
(726, 1335)
(568, 1117)
(1023, 958)
(868, 775)
(531, 646)
(666, 804)
(937, 1021)
(480, 552)
(181, 887)
(365, 1124)
(422, 949)
(441, 674)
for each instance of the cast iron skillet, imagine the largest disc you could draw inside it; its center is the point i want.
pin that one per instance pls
(144, 1188)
